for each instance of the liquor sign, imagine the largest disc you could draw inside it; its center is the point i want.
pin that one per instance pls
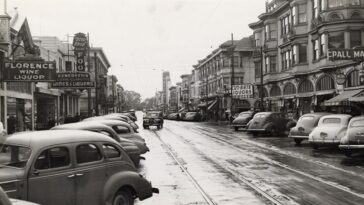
(29, 71)
(345, 54)
(73, 80)
(243, 91)
(80, 44)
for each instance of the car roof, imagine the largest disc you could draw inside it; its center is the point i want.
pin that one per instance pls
(317, 114)
(111, 122)
(83, 125)
(361, 117)
(39, 139)
(337, 116)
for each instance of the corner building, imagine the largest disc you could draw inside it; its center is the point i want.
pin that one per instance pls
(292, 40)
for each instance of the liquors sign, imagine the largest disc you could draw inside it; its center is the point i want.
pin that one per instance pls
(73, 80)
(80, 44)
(243, 91)
(42, 71)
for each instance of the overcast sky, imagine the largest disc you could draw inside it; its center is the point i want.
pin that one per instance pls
(141, 38)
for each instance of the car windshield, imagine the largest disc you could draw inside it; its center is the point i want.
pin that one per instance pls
(358, 123)
(14, 156)
(331, 121)
(244, 115)
(306, 120)
(153, 114)
(260, 116)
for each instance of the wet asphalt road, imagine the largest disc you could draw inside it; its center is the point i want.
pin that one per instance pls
(201, 163)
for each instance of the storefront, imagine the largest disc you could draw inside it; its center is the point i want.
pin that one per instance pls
(19, 114)
(305, 96)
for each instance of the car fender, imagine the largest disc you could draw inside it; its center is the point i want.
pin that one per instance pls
(268, 126)
(126, 178)
(342, 132)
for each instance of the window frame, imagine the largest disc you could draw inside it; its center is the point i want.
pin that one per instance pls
(69, 165)
(90, 162)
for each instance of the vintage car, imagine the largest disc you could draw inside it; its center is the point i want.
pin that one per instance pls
(329, 131)
(114, 117)
(126, 117)
(353, 139)
(173, 116)
(153, 118)
(272, 123)
(305, 124)
(193, 116)
(57, 167)
(241, 121)
(124, 130)
(129, 146)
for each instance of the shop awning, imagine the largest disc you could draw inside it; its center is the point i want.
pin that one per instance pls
(181, 110)
(342, 99)
(212, 105)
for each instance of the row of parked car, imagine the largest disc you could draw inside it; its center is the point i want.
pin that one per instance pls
(185, 116)
(320, 129)
(89, 162)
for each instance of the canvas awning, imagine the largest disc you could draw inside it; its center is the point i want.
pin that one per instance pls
(342, 99)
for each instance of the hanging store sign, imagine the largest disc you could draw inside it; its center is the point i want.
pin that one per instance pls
(340, 78)
(80, 44)
(243, 91)
(345, 54)
(26, 71)
(73, 80)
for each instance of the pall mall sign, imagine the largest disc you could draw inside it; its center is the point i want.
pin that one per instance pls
(346, 54)
(243, 91)
(27, 71)
(73, 80)
(80, 44)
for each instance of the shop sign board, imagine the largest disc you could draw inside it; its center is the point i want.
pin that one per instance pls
(73, 80)
(29, 71)
(80, 44)
(243, 91)
(345, 54)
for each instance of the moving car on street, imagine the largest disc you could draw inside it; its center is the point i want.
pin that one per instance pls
(353, 141)
(272, 123)
(329, 131)
(242, 120)
(129, 146)
(58, 167)
(305, 124)
(153, 118)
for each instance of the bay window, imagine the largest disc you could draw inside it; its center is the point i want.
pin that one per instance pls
(355, 38)
(322, 44)
(316, 53)
(302, 15)
(336, 40)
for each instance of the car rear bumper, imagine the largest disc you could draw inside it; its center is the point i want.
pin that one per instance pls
(256, 130)
(348, 146)
(325, 142)
(298, 136)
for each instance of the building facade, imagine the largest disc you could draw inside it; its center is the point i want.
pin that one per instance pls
(292, 41)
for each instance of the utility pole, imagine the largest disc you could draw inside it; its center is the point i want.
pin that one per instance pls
(96, 85)
(113, 93)
(261, 80)
(232, 74)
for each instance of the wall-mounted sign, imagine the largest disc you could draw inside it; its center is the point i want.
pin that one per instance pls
(345, 54)
(28, 71)
(243, 91)
(73, 80)
(340, 78)
(80, 44)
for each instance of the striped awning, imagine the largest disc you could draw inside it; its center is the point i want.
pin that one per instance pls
(343, 99)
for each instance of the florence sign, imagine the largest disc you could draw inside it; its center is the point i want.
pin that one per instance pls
(29, 71)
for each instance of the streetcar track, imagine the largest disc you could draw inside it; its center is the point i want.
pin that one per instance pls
(274, 162)
(237, 175)
(204, 194)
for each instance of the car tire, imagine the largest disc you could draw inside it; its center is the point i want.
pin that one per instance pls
(236, 128)
(298, 141)
(315, 146)
(273, 131)
(123, 197)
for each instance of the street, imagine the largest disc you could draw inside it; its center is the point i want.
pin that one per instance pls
(205, 163)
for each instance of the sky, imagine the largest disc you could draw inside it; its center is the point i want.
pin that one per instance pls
(143, 38)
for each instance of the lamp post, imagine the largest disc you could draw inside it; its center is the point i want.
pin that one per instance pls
(261, 80)
(96, 85)
(232, 74)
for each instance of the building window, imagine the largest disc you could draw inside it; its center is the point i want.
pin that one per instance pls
(284, 65)
(270, 31)
(355, 39)
(341, 3)
(68, 66)
(294, 15)
(266, 64)
(302, 53)
(294, 54)
(302, 13)
(322, 44)
(286, 59)
(272, 60)
(257, 37)
(316, 53)
(325, 83)
(336, 40)
(257, 69)
(352, 79)
(323, 5)
(266, 32)
(285, 25)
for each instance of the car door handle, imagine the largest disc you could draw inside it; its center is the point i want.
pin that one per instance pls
(79, 174)
(71, 176)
